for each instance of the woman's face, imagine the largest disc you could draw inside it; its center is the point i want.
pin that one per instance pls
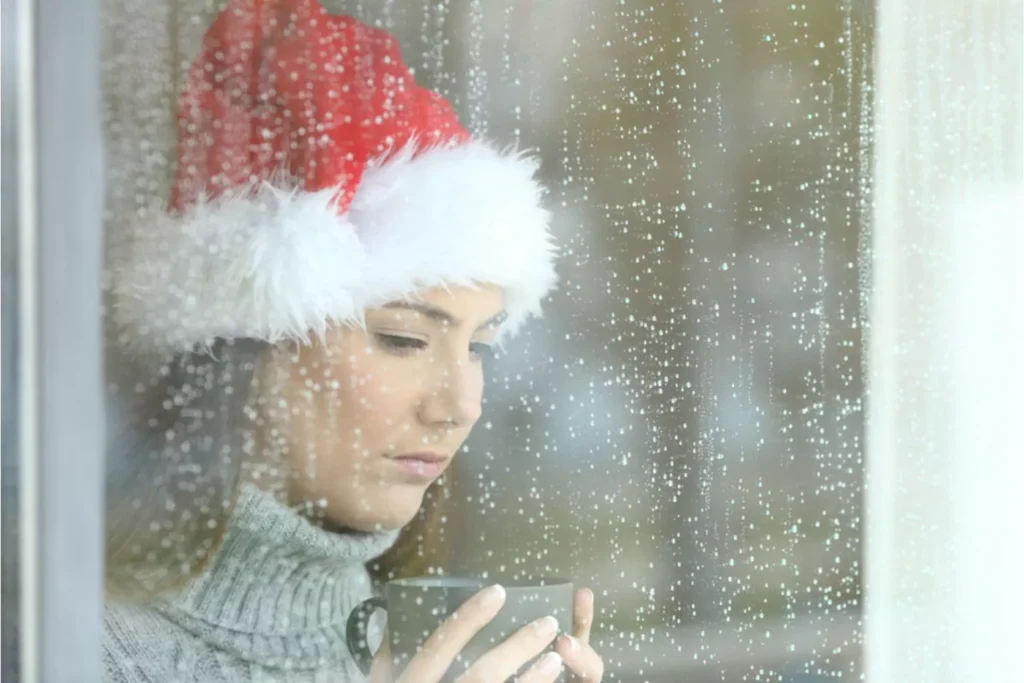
(341, 413)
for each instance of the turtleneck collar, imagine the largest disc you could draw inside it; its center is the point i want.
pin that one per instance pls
(280, 589)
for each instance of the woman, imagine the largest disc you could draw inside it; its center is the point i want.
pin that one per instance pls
(338, 257)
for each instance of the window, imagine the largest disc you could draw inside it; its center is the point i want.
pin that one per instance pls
(766, 415)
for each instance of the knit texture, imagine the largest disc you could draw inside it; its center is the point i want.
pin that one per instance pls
(272, 606)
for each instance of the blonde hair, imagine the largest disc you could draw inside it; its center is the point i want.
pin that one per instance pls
(174, 472)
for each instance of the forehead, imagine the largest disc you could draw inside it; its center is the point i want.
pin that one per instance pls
(462, 295)
(459, 305)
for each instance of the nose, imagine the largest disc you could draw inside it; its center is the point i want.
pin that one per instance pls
(453, 398)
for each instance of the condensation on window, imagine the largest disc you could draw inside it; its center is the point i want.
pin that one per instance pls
(683, 430)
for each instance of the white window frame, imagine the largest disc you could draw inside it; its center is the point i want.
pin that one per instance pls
(944, 454)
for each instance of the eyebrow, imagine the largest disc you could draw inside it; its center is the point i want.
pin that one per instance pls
(442, 316)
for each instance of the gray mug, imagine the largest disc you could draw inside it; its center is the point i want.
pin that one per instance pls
(416, 607)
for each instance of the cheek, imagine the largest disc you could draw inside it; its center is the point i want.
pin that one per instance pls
(372, 405)
(382, 403)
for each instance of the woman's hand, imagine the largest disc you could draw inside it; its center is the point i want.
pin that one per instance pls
(499, 664)
(575, 650)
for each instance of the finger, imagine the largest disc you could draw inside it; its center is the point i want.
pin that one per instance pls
(380, 669)
(581, 659)
(503, 661)
(583, 614)
(445, 644)
(544, 670)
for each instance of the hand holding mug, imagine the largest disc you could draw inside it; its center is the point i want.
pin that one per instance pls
(445, 629)
(444, 645)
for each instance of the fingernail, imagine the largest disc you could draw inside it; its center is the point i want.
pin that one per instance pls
(550, 663)
(573, 643)
(545, 627)
(494, 596)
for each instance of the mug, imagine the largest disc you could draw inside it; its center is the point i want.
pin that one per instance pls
(417, 606)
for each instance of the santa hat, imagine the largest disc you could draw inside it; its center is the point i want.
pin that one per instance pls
(315, 179)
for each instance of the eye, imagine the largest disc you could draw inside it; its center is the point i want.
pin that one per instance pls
(481, 350)
(400, 345)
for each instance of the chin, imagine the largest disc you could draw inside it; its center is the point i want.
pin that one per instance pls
(398, 517)
(390, 511)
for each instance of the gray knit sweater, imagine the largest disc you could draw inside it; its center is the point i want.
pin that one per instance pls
(272, 606)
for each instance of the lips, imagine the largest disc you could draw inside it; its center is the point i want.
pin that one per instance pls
(425, 456)
(422, 466)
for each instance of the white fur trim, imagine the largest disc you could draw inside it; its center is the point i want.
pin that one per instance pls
(275, 264)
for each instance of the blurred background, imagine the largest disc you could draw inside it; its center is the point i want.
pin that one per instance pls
(683, 431)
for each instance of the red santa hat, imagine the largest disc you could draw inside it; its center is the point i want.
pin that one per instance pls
(315, 179)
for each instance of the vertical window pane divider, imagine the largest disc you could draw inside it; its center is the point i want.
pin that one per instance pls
(61, 197)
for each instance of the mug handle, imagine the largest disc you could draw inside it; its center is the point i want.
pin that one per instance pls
(355, 632)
